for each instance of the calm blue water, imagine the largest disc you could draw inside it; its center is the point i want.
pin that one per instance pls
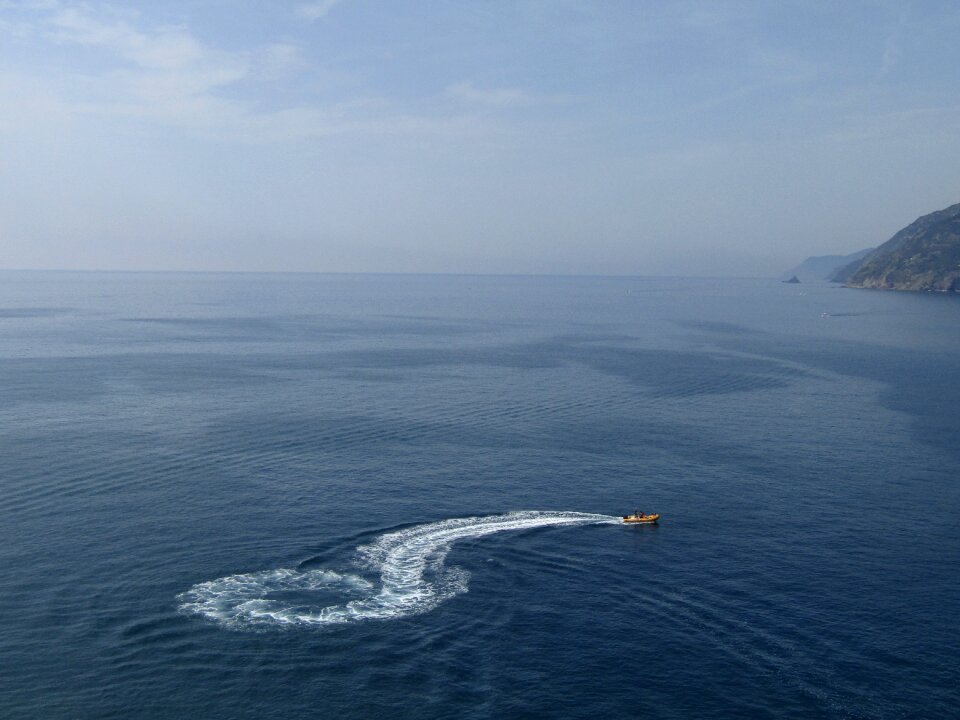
(256, 496)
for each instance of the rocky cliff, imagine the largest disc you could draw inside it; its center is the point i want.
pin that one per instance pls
(924, 256)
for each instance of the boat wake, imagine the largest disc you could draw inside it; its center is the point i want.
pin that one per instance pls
(413, 577)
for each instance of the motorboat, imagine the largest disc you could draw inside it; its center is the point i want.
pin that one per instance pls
(639, 518)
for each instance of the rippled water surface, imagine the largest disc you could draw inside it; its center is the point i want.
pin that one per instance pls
(257, 496)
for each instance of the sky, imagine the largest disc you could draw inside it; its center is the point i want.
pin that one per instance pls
(529, 136)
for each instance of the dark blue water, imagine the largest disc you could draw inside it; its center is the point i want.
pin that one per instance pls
(234, 496)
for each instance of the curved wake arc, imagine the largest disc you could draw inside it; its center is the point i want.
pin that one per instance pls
(413, 577)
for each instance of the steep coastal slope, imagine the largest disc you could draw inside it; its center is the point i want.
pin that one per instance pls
(822, 267)
(923, 256)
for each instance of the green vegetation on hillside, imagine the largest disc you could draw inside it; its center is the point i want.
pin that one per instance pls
(925, 256)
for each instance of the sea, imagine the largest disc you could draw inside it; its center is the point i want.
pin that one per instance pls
(400, 496)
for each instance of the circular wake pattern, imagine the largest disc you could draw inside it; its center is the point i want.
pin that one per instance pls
(413, 577)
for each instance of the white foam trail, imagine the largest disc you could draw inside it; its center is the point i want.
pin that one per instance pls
(413, 578)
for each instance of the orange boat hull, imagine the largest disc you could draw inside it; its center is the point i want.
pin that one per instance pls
(641, 520)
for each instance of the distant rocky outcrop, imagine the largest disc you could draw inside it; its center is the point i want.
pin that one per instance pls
(924, 256)
(794, 280)
(823, 267)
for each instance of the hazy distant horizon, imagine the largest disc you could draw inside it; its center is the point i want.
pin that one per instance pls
(162, 271)
(566, 138)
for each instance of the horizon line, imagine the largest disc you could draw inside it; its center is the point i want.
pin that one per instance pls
(383, 273)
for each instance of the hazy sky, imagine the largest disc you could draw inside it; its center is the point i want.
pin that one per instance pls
(682, 138)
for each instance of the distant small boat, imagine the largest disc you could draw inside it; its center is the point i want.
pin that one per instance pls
(638, 518)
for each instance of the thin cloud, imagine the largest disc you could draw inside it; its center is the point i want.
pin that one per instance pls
(167, 75)
(162, 49)
(316, 10)
(892, 47)
(465, 92)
